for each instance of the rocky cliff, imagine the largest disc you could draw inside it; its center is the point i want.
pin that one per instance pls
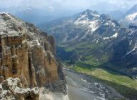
(28, 54)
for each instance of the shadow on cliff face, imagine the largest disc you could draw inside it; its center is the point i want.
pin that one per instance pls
(70, 57)
(59, 85)
(124, 57)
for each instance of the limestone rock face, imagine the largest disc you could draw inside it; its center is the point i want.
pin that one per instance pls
(11, 89)
(27, 53)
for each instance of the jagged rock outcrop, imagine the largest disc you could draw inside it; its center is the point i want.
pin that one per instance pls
(28, 54)
(11, 89)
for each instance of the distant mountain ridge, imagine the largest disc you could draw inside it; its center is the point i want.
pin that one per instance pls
(130, 16)
(81, 26)
(96, 40)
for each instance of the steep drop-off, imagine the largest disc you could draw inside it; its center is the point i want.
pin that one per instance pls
(28, 54)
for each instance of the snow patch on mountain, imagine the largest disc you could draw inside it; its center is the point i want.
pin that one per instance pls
(110, 23)
(115, 35)
(111, 37)
(134, 48)
(92, 25)
(82, 17)
(88, 19)
(131, 17)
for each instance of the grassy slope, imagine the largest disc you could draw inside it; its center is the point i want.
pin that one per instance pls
(123, 84)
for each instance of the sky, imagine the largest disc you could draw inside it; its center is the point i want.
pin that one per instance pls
(64, 7)
(53, 5)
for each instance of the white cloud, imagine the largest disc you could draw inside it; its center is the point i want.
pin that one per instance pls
(60, 5)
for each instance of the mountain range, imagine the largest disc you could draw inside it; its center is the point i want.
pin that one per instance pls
(96, 40)
(98, 54)
(29, 69)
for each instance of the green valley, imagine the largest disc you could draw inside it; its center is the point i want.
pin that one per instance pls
(123, 84)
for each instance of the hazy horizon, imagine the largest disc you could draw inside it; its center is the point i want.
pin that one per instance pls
(60, 8)
(54, 5)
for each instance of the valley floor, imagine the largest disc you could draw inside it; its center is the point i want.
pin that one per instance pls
(84, 87)
(123, 84)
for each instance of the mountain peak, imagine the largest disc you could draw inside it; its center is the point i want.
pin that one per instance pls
(10, 25)
(88, 15)
(89, 12)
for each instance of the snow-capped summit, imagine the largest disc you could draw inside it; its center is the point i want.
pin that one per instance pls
(85, 25)
(88, 18)
(131, 16)
(94, 21)
(88, 15)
